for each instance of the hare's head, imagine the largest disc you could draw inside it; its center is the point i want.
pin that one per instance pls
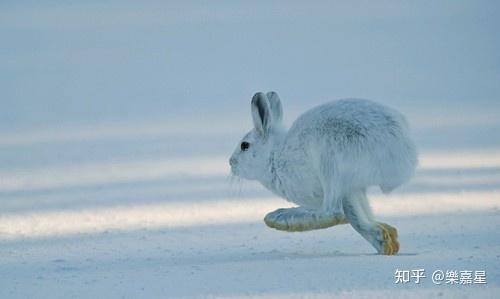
(251, 157)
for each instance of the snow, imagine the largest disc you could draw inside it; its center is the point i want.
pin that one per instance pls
(118, 120)
(179, 228)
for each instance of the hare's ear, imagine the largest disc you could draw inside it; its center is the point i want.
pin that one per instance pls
(275, 105)
(261, 113)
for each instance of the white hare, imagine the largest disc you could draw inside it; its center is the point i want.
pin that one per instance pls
(325, 162)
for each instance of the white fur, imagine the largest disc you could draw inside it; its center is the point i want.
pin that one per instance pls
(330, 155)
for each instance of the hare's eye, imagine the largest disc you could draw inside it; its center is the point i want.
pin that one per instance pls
(245, 145)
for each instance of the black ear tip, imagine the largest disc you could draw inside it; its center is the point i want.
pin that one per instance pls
(259, 96)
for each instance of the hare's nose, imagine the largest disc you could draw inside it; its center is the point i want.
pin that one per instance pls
(232, 161)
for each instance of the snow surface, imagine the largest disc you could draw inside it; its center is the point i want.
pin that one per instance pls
(118, 118)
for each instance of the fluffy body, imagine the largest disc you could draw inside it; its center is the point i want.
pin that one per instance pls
(325, 162)
(340, 147)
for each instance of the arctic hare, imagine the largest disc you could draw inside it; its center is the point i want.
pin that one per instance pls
(325, 162)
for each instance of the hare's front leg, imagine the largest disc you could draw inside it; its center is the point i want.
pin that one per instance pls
(382, 236)
(301, 219)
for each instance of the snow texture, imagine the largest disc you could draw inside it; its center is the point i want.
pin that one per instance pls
(118, 119)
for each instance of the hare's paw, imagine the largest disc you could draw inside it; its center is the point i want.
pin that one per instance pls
(389, 244)
(300, 219)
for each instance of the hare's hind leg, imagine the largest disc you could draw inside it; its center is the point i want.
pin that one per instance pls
(301, 219)
(382, 236)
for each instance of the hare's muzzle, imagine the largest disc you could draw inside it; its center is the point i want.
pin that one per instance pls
(232, 162)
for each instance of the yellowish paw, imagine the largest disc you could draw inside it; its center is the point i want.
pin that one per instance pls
(390, 236)
(298, 220)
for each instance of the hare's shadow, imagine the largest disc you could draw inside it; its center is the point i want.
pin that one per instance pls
(275, 255)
